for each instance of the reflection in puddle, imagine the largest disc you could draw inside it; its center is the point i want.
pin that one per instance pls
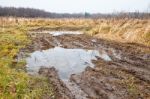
(57, 33)
(66, 61)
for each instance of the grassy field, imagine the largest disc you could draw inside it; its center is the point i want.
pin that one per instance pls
(124, 30)
(15, 83)
(121, 30)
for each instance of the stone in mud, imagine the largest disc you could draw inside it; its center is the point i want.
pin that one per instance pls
(61, 91)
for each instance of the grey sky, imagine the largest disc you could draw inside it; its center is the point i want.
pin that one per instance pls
(76, 6)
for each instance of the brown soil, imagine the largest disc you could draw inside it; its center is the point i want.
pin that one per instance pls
(59, 87)
(127, 76)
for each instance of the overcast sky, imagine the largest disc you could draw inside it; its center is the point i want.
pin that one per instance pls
(76, 6)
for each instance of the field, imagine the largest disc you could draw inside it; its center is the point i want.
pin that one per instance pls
(127, 77)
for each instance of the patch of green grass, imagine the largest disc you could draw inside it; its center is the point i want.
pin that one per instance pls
(40, 88)
(129, 83)
(105, 29)
(147, 38)
(15, 83)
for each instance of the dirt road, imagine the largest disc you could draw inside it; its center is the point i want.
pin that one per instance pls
(125, 76)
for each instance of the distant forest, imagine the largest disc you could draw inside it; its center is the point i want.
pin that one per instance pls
(33, 13)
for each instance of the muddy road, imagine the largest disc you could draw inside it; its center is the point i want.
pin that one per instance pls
(83, 67)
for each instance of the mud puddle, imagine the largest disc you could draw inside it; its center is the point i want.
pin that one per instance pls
(66, 61)
(58, 33)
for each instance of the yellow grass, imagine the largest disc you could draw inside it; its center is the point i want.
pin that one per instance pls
(121, 30)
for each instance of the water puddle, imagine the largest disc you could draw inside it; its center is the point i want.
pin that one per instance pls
(58, 33)
(66, 61)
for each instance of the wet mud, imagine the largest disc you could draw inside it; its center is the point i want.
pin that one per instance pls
(125, 76)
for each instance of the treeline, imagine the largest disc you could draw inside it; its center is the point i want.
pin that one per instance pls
(32, 13)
